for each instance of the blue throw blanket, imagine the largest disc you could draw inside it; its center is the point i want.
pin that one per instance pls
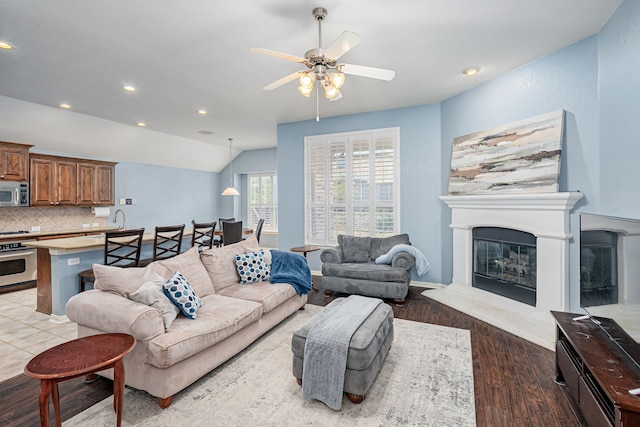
(422, 265)
(292, 268)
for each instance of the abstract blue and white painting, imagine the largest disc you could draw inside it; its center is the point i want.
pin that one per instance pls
(521, 157)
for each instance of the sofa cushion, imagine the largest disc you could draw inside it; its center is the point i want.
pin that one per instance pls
(354, 249)
(120, 280)
(218, 318)
(366, 271)
(125, 280)
(382, 245)
(270, 295)
(180, 292)
(189, 264)
(151, 294)
(220, 263)
(252, 267)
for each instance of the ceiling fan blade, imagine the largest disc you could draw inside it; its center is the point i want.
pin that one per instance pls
(278, 54)
(343, 44)
(374, 73)
(283, 81)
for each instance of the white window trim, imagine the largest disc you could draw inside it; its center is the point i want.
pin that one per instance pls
(267, 228)
(327, 138)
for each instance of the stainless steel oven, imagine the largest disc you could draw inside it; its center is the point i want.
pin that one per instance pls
(18, 265)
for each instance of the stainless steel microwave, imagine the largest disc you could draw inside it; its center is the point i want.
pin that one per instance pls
(14, 193)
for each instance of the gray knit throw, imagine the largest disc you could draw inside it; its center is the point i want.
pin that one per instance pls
(327, 346)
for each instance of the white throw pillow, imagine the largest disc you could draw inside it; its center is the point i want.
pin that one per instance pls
(152, 294)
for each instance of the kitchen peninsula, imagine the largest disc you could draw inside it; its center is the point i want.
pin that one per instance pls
(59, 262)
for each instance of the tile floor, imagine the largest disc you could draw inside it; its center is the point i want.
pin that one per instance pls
(24, 332)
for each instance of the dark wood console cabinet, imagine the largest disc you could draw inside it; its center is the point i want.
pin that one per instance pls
(597, 373)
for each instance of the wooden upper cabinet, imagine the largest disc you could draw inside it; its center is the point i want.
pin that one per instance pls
(96, 183)
(53, 180)
(67, 181)
(14, 161)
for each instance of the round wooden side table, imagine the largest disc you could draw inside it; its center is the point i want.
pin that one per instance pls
(82, 356)
(304, 249)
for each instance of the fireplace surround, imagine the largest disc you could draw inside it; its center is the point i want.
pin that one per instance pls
(545, 216)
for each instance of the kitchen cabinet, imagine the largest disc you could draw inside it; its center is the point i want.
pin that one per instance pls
(68, 181)
(53, 180)
(14, 161)
(96, 183)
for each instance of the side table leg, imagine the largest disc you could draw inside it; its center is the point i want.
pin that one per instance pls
(45, 391)
(56, 403)
(118, 390)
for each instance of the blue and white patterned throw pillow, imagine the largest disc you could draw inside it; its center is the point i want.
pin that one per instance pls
(182, 295)
(252, 267)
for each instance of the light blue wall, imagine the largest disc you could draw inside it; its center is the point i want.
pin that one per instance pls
(166, 196)
(619, 49)
(593, 80)
(420, 158)
(251, 161)
(566, 80)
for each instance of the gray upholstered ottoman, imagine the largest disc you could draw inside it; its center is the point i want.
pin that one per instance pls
(367, 350)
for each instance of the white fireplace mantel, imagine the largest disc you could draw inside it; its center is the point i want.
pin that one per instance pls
(546, 216)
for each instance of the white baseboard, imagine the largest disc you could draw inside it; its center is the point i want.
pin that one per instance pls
(56, 318)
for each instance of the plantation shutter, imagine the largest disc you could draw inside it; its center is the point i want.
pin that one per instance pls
(351, 183)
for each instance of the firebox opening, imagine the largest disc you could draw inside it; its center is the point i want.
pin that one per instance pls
(504, 263)
(598, 268)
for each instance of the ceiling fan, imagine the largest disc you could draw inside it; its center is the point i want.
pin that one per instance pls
(322, 64)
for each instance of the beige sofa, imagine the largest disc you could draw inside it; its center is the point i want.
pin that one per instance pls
(168, 359)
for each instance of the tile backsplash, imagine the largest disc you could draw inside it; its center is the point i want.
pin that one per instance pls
(48, 218)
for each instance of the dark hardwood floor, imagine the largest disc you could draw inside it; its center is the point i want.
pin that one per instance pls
(513, 378)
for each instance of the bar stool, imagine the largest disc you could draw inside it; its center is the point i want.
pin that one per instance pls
(167, 243)
(121, 248)
(203, 233)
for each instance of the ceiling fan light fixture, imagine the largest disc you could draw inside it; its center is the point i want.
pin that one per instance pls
(305, 91)
(330, 90)
(337, 79)
(307, 80)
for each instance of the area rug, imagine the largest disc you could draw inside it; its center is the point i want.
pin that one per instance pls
(426, 380)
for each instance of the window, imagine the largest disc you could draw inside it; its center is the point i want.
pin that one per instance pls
(263, 200)
(351, 185)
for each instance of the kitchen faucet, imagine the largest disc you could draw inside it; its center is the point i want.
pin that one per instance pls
(124, 218)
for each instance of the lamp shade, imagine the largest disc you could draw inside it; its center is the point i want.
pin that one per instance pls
(230, 191)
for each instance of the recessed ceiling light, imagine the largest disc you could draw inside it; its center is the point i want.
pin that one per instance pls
(141, 124)
(202, 112)
(129, 88)
(5, 45)
(65, 106)
(471, 71)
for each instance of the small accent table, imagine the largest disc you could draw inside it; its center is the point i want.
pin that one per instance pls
(82, 356)
(304, 249)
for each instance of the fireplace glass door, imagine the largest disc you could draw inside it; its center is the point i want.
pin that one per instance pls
(598, 268)
(504, 262)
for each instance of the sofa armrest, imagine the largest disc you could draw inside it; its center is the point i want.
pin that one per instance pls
(403, 260)
(332, 255)
(113, 313)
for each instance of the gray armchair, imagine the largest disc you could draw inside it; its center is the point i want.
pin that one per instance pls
(350, 267)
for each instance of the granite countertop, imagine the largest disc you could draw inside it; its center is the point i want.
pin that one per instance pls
(46, 233)
(91, 242)
(83, 243)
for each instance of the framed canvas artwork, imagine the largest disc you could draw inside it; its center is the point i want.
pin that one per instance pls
(521, 157)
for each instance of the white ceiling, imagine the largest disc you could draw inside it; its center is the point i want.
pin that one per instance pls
(187, 55)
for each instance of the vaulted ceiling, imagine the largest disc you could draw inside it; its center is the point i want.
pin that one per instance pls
(191, 55)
